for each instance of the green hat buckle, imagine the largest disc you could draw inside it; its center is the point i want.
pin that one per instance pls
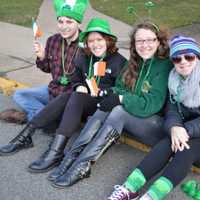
(97, 25)
(74, 9)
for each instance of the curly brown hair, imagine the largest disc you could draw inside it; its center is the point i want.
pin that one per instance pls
(130, 75)
(110, 43)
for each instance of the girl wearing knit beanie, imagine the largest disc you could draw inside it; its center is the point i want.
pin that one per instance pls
(182, 125)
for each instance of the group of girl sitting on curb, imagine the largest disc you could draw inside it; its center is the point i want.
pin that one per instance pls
(127, 96)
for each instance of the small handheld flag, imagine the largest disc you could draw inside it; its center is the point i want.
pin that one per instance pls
(99, 68)
(36, 31)
(92, 84)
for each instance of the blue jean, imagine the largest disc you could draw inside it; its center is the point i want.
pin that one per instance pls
(148, 130)
(32, 100)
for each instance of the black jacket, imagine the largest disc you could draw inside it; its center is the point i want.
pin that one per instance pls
(189, 118)
(114, 64)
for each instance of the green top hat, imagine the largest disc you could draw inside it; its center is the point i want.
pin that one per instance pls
(71, 8)
(97, 25)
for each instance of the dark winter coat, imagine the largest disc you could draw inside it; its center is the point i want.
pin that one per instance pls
(179, 115)
(114, 64)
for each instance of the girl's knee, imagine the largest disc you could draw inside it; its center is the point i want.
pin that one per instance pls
(78, 96)
(101, 115)
(118, 109)
(62, 97)
(117, 112)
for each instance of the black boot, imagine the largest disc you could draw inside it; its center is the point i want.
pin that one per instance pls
(73, 175)
(86, 135)
(62, 168)
(51, 157)
(22, 141)
(82, 166)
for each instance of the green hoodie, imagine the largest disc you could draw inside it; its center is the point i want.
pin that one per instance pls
(150, 91)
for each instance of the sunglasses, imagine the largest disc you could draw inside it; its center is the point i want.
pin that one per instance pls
(187, 57)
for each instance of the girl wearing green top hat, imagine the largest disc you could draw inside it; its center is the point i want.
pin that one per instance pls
(99, 50)
(141, 90)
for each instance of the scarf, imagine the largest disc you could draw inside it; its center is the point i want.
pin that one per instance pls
(185, 91)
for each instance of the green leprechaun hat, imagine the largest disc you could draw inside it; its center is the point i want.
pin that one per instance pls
(74, 9)
(189, 187)
(197, 195)
(192, 189)
(97, 25)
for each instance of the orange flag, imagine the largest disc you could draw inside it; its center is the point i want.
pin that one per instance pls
(100, 68)
(36, 31)
(92, 84)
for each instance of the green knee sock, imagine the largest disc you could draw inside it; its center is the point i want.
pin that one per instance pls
(135, 181)
(160, 188)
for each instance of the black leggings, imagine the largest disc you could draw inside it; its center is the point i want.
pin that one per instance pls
(177, 168)
(70, 110)
(52, 112)
(78, 108)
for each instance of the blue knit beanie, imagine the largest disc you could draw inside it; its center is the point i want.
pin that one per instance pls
(182, 45)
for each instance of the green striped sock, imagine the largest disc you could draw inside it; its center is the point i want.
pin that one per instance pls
(160, 188)
(135, 181)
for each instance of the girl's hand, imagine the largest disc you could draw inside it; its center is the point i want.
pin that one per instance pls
(179, 139)
(39, 50)
(82, 89)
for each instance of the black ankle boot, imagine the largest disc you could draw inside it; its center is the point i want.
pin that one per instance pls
(51, 157)
(81, 167)
(86, 135)
(63, 167)
(74, 174)
(22, 141)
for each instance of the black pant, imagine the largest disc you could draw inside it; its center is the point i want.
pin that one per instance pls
(78, 108)
(177, 168)
(52, 112)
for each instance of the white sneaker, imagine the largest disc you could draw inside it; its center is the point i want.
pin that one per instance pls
(121, 193)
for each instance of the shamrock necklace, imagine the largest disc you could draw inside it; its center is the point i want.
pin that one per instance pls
(64, 80)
